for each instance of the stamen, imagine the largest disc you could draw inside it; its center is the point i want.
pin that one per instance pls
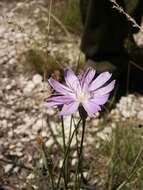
(81, 96)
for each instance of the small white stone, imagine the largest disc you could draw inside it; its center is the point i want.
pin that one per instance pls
(113, 125)
(1, 156)
(20, 129)
(32, 137)
(19, 149)
(2, 31)
(30, 176)
(4, 123)
(10, 133)
(19, 154)
(8, 167)
(8, 87)
(20, 4)
(19, 144)
(10, 125)
(97, 145)
(8, 113)
(16, 169)
(61, 163)
(50, 142)
(140, 115)
(12, 146)
(37, 79)
(102, 136)
(44, 134)
(39, 125)
(50, 111)
(95, 122)
(85, 174)
(74, 161)
(28, 88)
(107, 130)
(29, 121)
(26, 139)
(19, 36)
(12, 61)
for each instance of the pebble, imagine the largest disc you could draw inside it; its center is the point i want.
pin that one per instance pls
(49, 142)
(140, 115)
(16, 170)
(19, 154)
(31, 176)
(39, 125)
(37, 79)
(28, 88)
(8, 167)
(103, 136)
(44, 134)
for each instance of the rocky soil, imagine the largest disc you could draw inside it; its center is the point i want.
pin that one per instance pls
(23, 118)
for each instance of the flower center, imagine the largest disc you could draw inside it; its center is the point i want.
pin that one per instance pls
(81, 96)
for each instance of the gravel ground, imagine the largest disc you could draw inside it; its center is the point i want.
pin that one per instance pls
(22, 115)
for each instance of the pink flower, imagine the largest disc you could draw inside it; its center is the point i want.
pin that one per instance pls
(86, 92)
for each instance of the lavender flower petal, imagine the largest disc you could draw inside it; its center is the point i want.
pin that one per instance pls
(100, 81)
(105, 90)
(59, 87)
(100, 100)
(88, 76)
(69, 109)
(71, 79)
(58, 100)
(91, 108)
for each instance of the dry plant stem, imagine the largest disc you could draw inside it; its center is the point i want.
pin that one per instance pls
(121, 10)
(66, 154)
(46, 158)
(49, 15)
(137, 66)
(61, 25)
(57, 21)
(48, 165)
(129, 178)
(78, 62)
(134, 170)
(137, 158)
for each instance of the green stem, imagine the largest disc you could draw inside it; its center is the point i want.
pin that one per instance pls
(80, 155)
(66, 154)
(64, 148)
(77, 149)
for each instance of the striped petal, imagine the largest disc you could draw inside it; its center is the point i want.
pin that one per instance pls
(71, 79)
(105, 90)
(100, 100)
(58, 100)
(100, 81)
(91, 108)
(88, 76)
(69, 109)
(59, 87)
